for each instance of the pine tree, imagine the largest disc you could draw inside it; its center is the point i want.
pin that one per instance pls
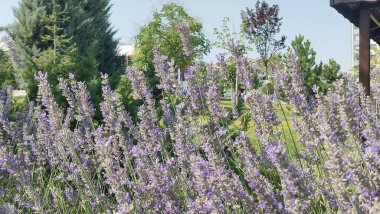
(62, 36)
(57, 55)
(28, 29)
(88, 26)
(91, 30)
(321, 75)
(54, 35)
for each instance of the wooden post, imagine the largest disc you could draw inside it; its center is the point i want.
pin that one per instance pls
(364, 48)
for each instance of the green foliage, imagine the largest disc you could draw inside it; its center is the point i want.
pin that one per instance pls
(321, 75)
(233, 42)
(306, 60)
(124, 88)
(91, 30)
(60, 56)
(18, 104)
(305, 54)
(28, 28)
(54, 22)
(61, 37)
(161, 31)
(85, 21)
(231, 69)
(6, 70)
(375, 58)
(330, 73)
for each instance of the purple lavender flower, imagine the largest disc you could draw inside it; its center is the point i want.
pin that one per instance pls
(183, 29)
(295, 189)
(268, 200)
(165, 72)
(213, 95)
(139, 85)
(194, 95)
(184, 155)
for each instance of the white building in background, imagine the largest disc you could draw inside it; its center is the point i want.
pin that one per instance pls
(355, 37)
(126, 50)
(3, 46)
(3, 38)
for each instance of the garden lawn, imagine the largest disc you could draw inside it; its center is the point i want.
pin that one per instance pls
(288, 134)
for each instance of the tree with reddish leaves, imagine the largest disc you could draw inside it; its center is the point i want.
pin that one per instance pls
(261, 26)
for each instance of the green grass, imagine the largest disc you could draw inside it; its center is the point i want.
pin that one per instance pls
(225, 103)
(18, 103)
(288, 134)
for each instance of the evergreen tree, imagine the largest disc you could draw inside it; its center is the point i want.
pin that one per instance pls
(63, 36)
(6, 70)
(91, 30)
(306, 59)
(87, 25)
(54, 23)
(330, 73)
(28, 29)
(321, 75)
(56, 57)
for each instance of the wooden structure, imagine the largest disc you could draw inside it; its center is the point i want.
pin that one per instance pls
(365, 14)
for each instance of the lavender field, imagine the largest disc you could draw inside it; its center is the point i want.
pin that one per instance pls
(90, 124)
(183, 156)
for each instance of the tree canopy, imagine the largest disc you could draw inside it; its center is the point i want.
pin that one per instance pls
(165, 30)
(261, 25)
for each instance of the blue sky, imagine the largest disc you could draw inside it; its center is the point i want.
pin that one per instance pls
(327, 30)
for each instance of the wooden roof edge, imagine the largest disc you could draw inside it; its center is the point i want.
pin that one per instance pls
(338, 2)
(350, 10)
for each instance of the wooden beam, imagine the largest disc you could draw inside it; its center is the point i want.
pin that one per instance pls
(364, 48)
